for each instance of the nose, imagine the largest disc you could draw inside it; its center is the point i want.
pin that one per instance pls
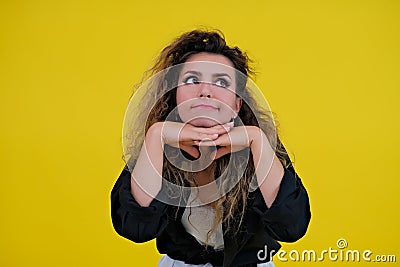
(205, 90)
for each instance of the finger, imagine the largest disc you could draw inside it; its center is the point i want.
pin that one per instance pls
(204, 143)
(229, 125)
(223, 128)
(188, 135)
(205, 136)
(222, 140)
(217, 129)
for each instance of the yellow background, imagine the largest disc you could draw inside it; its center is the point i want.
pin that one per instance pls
(329, 69)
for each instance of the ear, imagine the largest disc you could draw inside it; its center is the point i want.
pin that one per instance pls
(238, 104)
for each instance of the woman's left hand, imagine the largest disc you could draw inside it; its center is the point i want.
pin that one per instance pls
(238, 138)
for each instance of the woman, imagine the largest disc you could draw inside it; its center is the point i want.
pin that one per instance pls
(206, 174)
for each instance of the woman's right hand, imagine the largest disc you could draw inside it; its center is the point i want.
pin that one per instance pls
(185, 135)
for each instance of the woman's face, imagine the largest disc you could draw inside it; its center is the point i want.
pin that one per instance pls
(206, 93)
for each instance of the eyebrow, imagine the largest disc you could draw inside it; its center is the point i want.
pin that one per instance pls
(192, 72)
(214, 75)
(222, 74)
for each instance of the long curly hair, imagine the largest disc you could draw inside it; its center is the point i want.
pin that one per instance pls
(231, 207)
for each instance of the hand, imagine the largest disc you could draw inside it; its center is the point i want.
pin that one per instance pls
(238, 138)
(185, 136)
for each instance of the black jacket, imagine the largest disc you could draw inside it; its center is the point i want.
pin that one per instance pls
(286, 220)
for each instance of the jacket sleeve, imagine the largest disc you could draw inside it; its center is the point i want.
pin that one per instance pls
(289, 215)
(132, 221)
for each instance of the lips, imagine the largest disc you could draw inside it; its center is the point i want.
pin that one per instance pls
(205, 106)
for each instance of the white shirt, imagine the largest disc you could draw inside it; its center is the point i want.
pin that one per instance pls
(198, 221)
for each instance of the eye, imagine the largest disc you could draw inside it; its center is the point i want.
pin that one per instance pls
(222, 83)
(191, 80)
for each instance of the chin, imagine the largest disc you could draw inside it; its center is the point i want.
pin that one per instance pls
(203, 122)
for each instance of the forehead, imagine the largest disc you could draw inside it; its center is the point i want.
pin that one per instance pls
(204, 56)
(209, 63)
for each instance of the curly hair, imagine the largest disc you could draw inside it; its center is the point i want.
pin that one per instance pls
(231, 207)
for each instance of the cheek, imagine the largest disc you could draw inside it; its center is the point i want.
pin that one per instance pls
(182, 102)
(183, 95)
(178, 96)
(229, 99)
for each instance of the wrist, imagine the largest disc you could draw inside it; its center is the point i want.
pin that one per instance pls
(154, 134)
(255, 135)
